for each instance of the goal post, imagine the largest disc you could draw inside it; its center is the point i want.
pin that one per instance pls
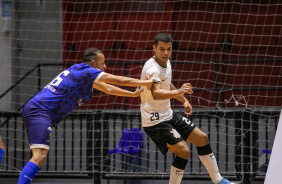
(272, 175)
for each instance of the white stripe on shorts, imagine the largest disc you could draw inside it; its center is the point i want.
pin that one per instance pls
(39, 146)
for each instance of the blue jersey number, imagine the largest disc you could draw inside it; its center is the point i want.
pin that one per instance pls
(55, 82)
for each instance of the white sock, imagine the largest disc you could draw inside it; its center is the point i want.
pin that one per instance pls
(175, 175)
(210, 163)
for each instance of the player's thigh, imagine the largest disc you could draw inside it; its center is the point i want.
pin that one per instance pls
(163, 135)
(198, 138)
(183, 125)
(38, 124)
(39, 153)
(189, 131)
(39, 135)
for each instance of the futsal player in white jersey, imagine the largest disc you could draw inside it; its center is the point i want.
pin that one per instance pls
(170, 131)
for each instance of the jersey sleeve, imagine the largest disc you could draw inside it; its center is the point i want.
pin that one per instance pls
(92, 74)
(99, 76)
(155, 72)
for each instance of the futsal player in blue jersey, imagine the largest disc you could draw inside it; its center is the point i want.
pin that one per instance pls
(66, 92)
(1, 149)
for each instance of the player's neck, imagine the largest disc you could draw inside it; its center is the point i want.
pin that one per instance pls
(161, 64)
(88, 63)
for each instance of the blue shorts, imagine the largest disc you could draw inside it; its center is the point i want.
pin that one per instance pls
(38, 124)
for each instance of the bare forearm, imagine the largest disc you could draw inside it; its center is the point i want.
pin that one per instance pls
(112, 90)
(181, 98)
(120, 92)
(161, 94)
(123, 81)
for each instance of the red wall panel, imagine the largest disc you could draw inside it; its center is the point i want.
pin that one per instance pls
(201, 31)
(137, 30)
(197, 25)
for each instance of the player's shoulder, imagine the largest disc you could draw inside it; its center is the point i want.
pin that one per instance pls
(168, 63)
(150, 63)
(77, 67)
(83, 67)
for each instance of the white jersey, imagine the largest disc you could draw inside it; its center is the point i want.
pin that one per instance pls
(155, 111)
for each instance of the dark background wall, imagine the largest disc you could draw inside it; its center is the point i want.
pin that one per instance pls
(229, 49)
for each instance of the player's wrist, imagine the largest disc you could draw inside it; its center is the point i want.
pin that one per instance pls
(180, 92)
(135, 94)
(185, 100)
(149, 84)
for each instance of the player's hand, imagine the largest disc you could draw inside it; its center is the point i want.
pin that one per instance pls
(138, 91)
(188, 108)
(186, 88)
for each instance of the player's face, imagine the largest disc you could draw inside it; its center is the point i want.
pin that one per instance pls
(99, 63)
(162, 52)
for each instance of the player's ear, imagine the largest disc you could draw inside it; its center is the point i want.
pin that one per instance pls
(154, 48)
(93, 63)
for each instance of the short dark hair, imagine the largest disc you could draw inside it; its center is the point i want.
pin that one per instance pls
(90, 52)
(162, 37)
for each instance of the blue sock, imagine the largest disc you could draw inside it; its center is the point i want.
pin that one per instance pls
(1, 155)
(28, 173)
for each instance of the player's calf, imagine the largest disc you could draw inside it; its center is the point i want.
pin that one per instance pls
(39, 156)
(208, 159)
(177, 170)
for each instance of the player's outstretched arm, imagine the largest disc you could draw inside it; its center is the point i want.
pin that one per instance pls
(162, 94)
(125, 81)
(113, 90)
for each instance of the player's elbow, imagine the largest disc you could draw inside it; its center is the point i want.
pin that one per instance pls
(108, 90)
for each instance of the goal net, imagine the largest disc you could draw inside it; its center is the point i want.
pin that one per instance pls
(228, 50)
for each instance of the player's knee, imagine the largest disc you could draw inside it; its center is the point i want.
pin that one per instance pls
(39, 158)
(184, 152)
(203, 140)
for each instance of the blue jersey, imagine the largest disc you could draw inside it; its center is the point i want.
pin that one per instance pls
(67, 91)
